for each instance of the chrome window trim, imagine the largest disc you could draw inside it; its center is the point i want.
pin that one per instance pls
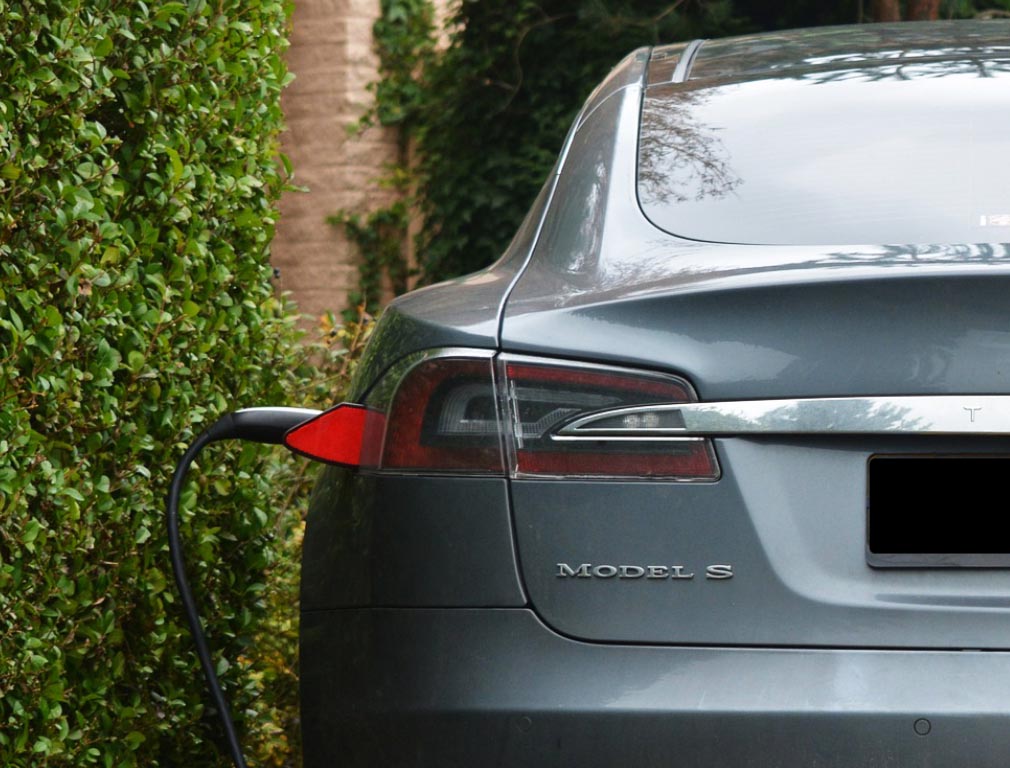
(886, 415)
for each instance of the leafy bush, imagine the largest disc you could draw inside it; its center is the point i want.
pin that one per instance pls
(137, 189)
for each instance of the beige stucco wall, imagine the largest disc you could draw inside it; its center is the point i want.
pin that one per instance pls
(332, 59)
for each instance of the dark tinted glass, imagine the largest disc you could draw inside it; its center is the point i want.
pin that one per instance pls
(907, 152)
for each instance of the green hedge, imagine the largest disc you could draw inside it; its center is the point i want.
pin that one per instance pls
(138, 177)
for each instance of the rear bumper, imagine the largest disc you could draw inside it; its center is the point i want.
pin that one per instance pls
(481, 687)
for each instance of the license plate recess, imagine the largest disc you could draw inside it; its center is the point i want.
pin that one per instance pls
(938, 511)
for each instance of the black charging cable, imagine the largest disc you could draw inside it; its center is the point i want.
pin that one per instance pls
(261, 425)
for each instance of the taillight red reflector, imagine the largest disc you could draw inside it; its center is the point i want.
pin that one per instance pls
(694, 461)
(444, 418)
(347, 434)
(595, 380)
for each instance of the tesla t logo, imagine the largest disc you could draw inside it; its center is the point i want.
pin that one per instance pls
(972, 412)
(590, 571)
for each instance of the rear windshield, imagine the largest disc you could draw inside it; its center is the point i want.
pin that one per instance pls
(914, 152)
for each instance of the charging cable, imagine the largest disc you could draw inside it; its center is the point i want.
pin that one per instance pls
(261, 425)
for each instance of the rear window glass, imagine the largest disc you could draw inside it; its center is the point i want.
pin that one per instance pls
(914, 152)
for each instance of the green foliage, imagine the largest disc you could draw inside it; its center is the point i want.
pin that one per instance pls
(982, 9)
(275, 730)
(404, 36)
(380, 238)
(137, 189)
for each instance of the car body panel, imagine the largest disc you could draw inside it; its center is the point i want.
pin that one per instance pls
(922, 334)
(789, 516)
(463, 688)
(461, 312)
(745, 321)
(408, 541)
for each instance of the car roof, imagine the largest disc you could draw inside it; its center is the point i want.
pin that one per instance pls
(833, 48)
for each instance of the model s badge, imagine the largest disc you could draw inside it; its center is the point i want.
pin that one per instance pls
(590, 571)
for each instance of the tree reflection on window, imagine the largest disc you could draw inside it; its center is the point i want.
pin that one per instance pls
(680, 158)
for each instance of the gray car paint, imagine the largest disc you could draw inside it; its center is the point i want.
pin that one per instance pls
(373, 540)
(844, 47)
(468, 686)
(790, 517)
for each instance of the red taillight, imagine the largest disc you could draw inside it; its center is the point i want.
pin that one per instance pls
(545, 396)
(459, 414)
(444, 417)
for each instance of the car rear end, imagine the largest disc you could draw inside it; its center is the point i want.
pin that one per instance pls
(638, 498)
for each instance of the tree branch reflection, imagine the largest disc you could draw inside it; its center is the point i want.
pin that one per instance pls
(681, 158)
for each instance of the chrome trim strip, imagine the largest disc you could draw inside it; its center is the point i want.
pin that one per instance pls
(901, 415)
(683, 69)
(563, 437)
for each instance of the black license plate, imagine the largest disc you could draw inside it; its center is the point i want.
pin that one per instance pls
(938, 512)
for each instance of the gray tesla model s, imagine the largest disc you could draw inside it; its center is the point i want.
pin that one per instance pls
(711, 468)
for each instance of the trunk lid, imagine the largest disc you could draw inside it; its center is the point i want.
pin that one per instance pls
(788, 517)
